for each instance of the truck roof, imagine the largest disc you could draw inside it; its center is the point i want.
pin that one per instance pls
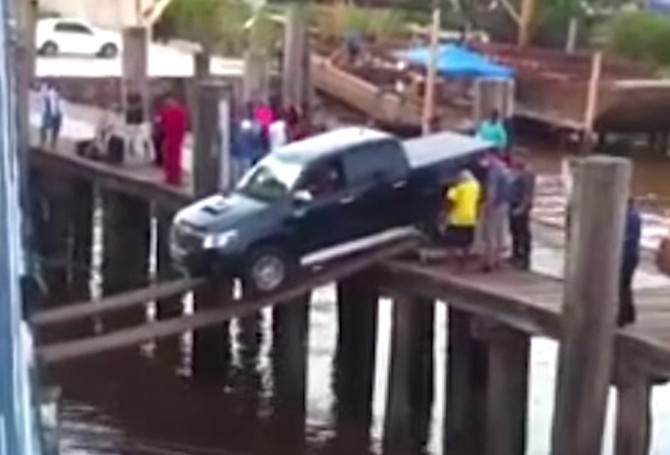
(326, 144)
(443, 147)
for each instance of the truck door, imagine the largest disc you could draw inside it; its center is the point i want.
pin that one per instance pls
(377, 172)
(321, 207)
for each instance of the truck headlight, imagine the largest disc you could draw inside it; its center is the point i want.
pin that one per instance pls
(217, 240)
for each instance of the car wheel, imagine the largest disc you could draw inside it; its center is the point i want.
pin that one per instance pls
(267, 269)
(109, 50)
(49, 48)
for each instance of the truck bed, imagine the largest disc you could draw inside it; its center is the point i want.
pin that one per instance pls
(443, 151)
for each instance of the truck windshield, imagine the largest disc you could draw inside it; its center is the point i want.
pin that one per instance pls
(271, 179)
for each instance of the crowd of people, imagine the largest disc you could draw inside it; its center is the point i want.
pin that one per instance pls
(483, 206)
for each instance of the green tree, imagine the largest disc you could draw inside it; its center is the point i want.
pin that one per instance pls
(218, 25)
(641, 36)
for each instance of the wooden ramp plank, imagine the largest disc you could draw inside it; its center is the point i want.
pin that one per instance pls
(239, 308)
(115, 302)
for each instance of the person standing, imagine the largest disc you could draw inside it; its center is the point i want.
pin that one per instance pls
(493, 130)
(629, 263)
(495, 211)
(278, 134)
(139, 141)
(52, 115)
(521, 204)
(174, 123)
(462, 201)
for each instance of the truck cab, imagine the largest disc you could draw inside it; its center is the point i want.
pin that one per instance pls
(304, 204)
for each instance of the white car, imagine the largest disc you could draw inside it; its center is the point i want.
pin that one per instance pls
(72, 36)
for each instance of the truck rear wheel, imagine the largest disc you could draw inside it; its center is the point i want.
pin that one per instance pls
(267, 269)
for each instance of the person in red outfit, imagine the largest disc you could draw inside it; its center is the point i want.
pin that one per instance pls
(174, 122)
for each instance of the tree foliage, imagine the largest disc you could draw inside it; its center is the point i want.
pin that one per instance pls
(641, 36)
(218, 25)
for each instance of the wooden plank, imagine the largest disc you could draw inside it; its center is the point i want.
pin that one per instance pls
(116, 302)
(590, 305)
(240, 308)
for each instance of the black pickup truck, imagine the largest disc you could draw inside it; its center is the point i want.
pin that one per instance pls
(318, 199)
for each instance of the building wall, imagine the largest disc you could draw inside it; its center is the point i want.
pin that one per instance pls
(105, 13)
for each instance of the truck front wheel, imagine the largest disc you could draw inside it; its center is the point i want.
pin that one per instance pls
(267, 269)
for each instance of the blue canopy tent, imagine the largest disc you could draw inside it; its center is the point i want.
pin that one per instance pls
(457, 62)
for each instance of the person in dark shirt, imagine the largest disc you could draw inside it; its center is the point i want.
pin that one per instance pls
(521, 204)
(629, 263)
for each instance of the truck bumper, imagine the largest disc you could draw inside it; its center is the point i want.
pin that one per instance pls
(203, 262)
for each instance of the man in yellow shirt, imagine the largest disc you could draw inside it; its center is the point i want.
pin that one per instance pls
(462, 201)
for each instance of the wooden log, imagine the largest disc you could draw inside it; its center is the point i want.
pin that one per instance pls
(290, 324)
(633, 414)
(71, 350)
(507, 393)
(125, 266)
(55, 234)
(156, 291)
(590, 304)
(357, 304)
(467, 379)
(170, 305)
(410, 383)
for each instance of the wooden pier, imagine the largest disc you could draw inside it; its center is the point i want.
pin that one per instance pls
(491, 316)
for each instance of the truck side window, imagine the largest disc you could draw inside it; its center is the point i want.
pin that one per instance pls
(323, 179)
(384, 160)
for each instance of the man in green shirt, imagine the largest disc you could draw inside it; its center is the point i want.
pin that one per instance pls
(493, 130)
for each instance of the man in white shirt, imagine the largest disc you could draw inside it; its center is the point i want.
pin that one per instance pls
(52, 115)
(277, 134)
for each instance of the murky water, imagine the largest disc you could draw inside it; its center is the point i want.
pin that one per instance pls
(145, 400)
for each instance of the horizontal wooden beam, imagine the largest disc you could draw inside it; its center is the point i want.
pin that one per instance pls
(116, 302)
(116, 178)
(632, 344)
(59, 352)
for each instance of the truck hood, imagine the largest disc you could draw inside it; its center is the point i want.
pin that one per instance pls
(217, 213)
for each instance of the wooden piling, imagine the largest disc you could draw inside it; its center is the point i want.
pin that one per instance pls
(467, 382)
(507, 392)
(82, 238)
(296, 86)
(211, 346)
(633, 414)
(290, 323)
(135, 62)
(590, 304)
(170, 306)
(410, 382)
(357, 304)
(126, 237)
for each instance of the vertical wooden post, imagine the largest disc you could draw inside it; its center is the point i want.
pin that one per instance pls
(126, 237)
(54, 235)
(633, 414)
(410, 376)
(211, 157)
(295, 78)
(590, 304)
(82, 233)
(507, 393)
(357, 303)
(431, 75)
(467, 379)
(591, 106)
(290, 325)
(211, 346)
(255, 82)
(135, 65)
(170, 306)
(527, 22)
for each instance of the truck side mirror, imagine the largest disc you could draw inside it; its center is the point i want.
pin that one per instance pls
(302, 197)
